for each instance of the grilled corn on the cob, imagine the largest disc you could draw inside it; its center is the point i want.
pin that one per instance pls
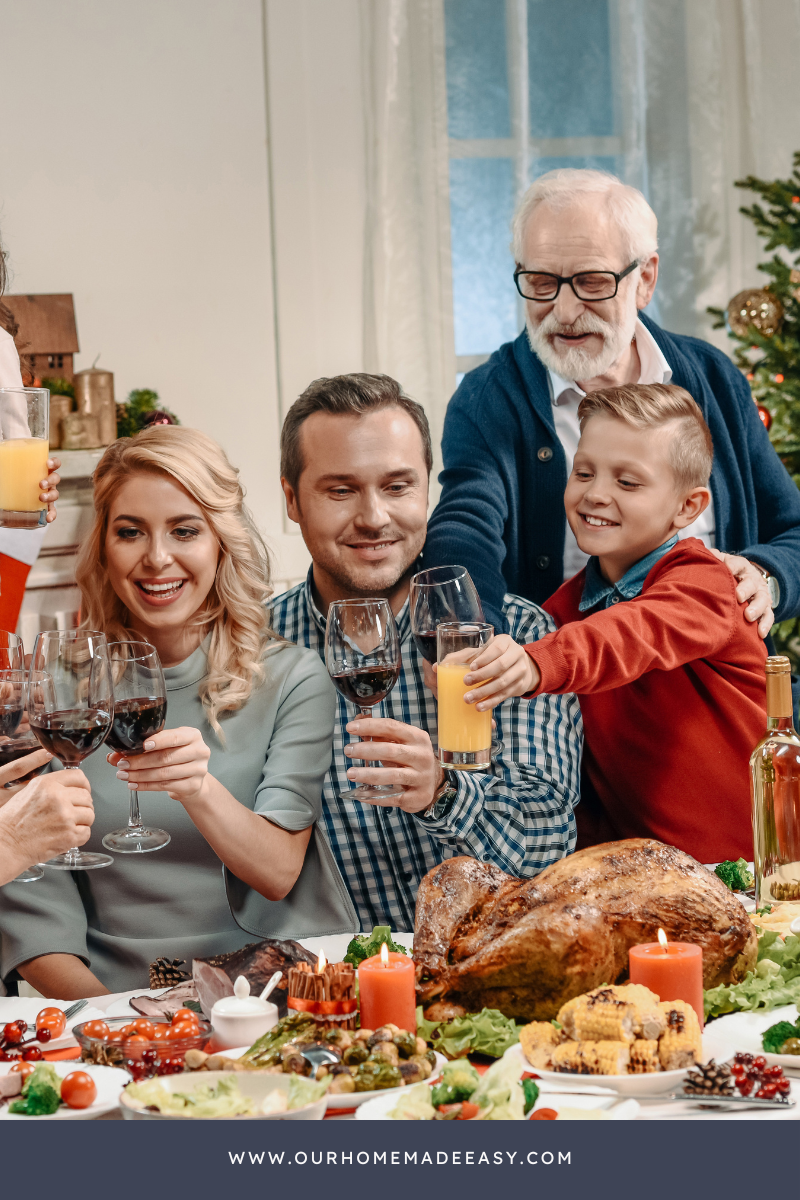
(538, 1041)
(601, 1016)
(649, 1021)
(644, 1057)
(592, 1058)
(566, 1016)
(680, 1045)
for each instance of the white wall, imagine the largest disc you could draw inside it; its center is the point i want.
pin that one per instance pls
(134, 173)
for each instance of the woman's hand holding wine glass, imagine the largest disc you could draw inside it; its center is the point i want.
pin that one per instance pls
(174, 761)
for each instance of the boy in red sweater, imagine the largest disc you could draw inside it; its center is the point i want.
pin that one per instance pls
(651, 635)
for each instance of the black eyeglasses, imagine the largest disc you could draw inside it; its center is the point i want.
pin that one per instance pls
(587, 285)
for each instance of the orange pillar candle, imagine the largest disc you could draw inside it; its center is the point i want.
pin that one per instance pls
(386, 991)
(673, 970)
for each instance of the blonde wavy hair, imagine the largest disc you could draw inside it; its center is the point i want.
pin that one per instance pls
(234, 612)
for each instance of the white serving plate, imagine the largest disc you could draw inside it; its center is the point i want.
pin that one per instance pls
(653, 1084)
(348, 1099)
(625, 1110)
(742, 1031)
(253, 1083)
(121, 1007)
(109, 1080)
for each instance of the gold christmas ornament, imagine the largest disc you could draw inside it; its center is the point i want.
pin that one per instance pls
(758, 307)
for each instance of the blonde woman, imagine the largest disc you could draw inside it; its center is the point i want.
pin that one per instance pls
(236, 775)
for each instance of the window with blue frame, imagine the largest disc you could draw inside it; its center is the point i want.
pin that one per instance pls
(530, 87)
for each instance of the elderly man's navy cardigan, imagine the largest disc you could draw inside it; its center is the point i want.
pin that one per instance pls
(501, 512)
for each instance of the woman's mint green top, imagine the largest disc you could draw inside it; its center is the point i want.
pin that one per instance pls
(180, 902)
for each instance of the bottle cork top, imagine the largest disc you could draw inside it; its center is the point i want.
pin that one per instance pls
(778, 664)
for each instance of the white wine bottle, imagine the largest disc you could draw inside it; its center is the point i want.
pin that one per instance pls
(775, 779)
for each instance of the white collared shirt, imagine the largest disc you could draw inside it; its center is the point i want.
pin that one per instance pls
(567, 395)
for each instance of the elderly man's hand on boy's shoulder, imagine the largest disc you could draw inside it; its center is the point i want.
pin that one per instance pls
(752, 586)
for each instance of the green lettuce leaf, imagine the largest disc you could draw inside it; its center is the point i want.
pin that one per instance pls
(304, 1091)
(500, 1091)
(487, 1032)
(414, 1104)
(775, 981)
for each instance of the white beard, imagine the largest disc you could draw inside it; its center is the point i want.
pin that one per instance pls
(578, 364)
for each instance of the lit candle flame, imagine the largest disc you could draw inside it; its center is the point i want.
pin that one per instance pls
(662, 940)
(384, 955)
(322, 963)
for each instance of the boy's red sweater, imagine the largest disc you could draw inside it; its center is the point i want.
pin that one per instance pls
(672, 691)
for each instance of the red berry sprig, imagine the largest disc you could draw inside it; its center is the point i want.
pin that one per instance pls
(752, 1076)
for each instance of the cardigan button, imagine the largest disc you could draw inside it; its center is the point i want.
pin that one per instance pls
(544, 454)
(543, 562)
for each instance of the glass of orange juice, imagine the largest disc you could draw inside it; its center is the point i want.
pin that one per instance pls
(24, 446)
(465, 735)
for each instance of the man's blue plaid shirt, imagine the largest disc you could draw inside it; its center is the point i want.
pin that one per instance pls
(518, 816)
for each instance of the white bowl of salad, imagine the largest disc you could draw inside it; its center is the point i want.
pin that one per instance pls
(220, 1095)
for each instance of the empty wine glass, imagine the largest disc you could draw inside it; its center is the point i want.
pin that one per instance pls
(12, 654)
(437, 595)
(140, 710)
(71, 707)
(362, 654)
(12, 702)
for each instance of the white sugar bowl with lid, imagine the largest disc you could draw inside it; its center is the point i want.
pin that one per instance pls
(240, 1019)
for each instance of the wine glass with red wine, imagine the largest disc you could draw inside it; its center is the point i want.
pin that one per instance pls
(70, 708)
(362, 654)
(437, 595)
(140, 710)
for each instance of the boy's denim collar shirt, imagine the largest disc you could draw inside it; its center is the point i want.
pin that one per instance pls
(597, 590)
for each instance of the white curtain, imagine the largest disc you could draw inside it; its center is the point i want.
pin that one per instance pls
(408, 304)
(710, 93)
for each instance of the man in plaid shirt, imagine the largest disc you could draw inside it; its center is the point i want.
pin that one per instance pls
(355, 462)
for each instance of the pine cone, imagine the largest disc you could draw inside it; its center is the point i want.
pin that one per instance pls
(166, 972)
(709, 1079)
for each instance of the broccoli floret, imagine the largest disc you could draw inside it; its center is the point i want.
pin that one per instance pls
(362, 947)
(774, 1037)
(459, 1080)
(41, 1093)
(735, 875)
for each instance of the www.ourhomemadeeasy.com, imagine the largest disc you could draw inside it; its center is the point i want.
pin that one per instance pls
(400, 1158)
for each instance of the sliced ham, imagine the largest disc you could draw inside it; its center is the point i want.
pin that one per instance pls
(170, 1002)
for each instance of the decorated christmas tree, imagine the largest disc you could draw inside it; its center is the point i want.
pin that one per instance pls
(765, 324)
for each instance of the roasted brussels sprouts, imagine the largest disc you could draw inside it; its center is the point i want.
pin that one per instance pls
(384, 1034)
(363, 1035)
(357, 1053)
(373, 1075)
(406, 1043)
(342, 1083)
(296, 1064)
(385, 1052)
(431, 1057)
(424, 1065)
(338, 1038)
(412, 1071)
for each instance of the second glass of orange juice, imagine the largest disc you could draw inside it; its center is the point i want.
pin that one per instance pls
(465, 735)
(24, 447)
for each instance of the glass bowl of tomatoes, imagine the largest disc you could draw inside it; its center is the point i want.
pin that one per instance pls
(143, 1046)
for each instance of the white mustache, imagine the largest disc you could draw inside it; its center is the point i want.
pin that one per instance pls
(587, 322)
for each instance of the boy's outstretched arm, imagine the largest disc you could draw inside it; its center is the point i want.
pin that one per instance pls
(507, 669)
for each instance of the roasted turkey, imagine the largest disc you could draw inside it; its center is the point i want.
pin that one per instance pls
(525, 946)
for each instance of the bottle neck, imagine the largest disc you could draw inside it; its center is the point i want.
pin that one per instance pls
(780, 724)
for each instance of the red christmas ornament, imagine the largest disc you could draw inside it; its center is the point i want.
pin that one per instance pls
(765, 415)
(779, 378)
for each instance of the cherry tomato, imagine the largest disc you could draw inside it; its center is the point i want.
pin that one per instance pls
(116, 1038)
(468, 1111)
(128, 1030)
(78, 1089)
(14, 1032)
(161, 1031)
(186, 1014)
(181, 1031)
(145, 1028)
(97, 1030)
(53, 1027)
(544, 1114)
(135, 1045)
(51, 1018)
(22, 1068)
(32, 1054)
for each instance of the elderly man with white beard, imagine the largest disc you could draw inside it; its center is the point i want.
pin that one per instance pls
(587, 263)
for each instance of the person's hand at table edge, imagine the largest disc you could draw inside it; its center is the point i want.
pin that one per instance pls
(751, 586)
(49, 493)
(408, 758)
(503, 669)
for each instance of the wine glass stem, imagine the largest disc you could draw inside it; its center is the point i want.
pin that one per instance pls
(74, 852)
(134, 820)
